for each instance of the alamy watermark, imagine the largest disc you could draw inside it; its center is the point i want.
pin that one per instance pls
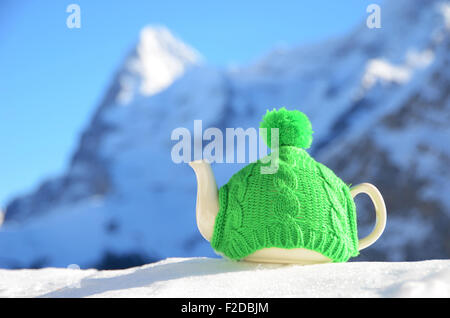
(234, 150)
(74, 18)
(374, 19)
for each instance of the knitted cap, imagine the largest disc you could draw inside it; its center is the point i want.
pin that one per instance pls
(303, 205)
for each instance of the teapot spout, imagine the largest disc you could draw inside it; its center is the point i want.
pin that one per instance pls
(207, 198)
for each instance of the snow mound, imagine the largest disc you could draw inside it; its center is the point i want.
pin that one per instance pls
(210, 278)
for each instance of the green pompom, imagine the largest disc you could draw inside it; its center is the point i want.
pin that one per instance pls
(294, 127)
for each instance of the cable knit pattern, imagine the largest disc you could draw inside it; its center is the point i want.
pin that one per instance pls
(303, 205)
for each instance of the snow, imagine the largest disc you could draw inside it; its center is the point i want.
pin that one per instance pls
(445, 9)
(158, 67)
(379, 69)
(159, 59)
(383, 71)
(211, 277)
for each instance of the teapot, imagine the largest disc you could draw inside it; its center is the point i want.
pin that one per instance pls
(300, 214)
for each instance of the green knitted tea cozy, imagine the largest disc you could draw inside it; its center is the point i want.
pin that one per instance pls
(303, 205)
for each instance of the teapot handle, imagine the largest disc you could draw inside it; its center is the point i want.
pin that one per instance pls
(380, 212)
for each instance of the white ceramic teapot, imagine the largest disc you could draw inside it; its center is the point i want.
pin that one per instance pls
(208, 207)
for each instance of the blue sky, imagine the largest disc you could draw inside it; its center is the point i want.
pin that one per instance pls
(52, 77)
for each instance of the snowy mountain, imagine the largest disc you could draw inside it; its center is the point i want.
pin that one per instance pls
(219, 278)
(379, 104)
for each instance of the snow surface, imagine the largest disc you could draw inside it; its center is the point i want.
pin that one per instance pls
(210, 277)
